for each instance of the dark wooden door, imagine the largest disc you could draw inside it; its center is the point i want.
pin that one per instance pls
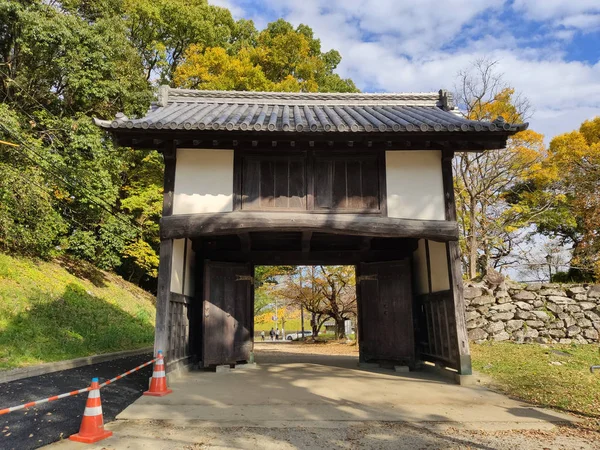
(228, 319)
(385, 312)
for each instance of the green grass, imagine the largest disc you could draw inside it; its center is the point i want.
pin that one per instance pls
(525, 371)
(51, 311)
(291, 326)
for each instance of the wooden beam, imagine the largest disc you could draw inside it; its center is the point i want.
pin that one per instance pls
(246, 245)
(306, 237)
(311, 258)
(180, 298)
(195, 225)
(365, 245)
(156, 139)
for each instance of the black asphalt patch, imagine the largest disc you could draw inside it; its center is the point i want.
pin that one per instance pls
(50, 422)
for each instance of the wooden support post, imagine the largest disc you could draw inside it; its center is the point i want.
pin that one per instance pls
(463, 357)
(161, 334)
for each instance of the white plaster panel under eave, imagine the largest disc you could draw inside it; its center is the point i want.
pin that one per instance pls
(438, 261)
(414, 184)
(177, 266)
(203, 181)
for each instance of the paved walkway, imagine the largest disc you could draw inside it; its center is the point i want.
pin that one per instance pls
(290, 400)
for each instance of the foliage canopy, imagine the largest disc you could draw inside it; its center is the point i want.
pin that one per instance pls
(67, 188)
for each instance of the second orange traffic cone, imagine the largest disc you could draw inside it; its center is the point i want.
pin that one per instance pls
(158, 385)
(92, 424)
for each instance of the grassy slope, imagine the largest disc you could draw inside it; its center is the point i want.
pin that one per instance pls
(526, 371)
(51, 311)
(291, 326)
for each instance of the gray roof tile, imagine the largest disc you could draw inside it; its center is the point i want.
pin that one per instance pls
(184, 109)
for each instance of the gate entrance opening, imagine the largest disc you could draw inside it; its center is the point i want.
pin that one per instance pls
(223, 319)
(298, 303)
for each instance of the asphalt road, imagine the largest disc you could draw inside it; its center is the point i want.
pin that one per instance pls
(49, 422)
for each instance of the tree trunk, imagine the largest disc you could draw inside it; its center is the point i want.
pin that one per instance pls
(473, 240)
(340, 328)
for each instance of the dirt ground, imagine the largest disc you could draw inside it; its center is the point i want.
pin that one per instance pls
(283, 434)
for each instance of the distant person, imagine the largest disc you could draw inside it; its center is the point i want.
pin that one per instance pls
(272, 334)
(277, 334)
(262, 335)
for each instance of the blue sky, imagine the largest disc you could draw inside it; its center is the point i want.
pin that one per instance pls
(549, 50)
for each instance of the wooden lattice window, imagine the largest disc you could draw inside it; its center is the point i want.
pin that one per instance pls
(273, 182)
(347, 182)
(319, 181)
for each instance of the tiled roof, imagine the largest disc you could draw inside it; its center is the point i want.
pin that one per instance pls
(184, 109)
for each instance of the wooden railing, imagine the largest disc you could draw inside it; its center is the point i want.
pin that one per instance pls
(440, 323)
(179, 327)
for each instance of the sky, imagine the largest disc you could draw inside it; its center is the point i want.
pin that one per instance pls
(548, 50)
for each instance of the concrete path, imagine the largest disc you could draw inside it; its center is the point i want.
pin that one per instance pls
(306, 395)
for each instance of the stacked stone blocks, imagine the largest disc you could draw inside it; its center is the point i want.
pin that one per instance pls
(502, 310)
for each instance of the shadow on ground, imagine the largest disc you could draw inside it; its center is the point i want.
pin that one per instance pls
(307, 400)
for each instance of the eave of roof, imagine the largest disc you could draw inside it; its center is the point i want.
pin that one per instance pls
(184, 109)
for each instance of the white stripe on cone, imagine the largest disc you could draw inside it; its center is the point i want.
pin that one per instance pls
(93, 411)
(94, 393)
(158, 374)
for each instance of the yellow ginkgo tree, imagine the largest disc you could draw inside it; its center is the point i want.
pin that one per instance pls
(568, 180)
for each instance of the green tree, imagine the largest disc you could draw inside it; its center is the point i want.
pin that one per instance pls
(162, 30)
(265, 279)
(67, 188)
(279, 58)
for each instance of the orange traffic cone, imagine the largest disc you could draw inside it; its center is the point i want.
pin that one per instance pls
(158, 385)
(92, 424)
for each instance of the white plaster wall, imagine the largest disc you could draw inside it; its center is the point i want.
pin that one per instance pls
(203, 181)
(190, 270)
(438, 260)
(420, 268)
(414, 184)
(177, 266)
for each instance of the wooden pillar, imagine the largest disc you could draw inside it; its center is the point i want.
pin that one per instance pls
(455, 270)
(163, 296)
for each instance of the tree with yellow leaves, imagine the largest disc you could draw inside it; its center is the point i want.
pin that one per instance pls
(279, 58)
(484, 181)
(569, 181)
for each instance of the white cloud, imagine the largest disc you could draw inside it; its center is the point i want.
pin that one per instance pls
(236, 11)
(579, 14)
(582, 21)
(552, 9)
(389, 45)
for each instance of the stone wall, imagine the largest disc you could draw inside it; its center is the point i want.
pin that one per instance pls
(503, 310)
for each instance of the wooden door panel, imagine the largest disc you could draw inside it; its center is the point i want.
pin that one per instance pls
(227, 326)
(386, 312)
